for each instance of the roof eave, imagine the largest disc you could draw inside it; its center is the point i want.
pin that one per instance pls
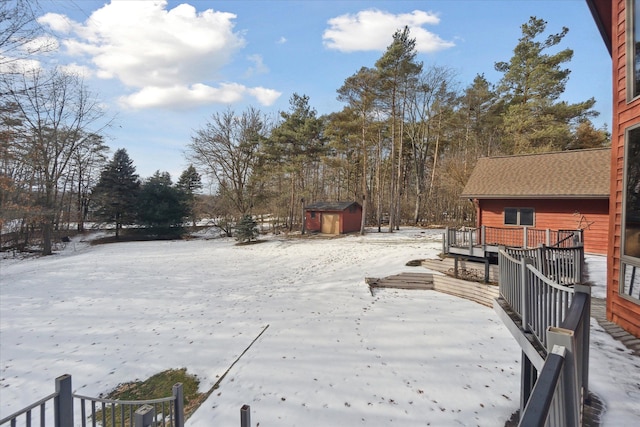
(601, 10)
(534, 196)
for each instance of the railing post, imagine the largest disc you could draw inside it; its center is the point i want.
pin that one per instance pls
(445, 247)
(580, 263)
(584, 337)
(471, 240)
(525, 238)
(524, 285)
(483, 230)
(571, 402)
(144, 416)
(63, 402)
(542, 407)
(245, 416)
(548, 237)
(178, 408)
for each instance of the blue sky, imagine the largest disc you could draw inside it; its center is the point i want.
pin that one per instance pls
(161, 68)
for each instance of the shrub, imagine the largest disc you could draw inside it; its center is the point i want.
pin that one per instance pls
(247, 229)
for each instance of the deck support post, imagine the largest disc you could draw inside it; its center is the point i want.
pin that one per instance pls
(528, 377)
(455, 267)
(486, 270)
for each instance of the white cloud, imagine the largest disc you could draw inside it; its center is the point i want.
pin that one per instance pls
(40, 44)
(282, 40)
(373, 30)
(265, 96)
(171, 57)
(258, 67)
(76, 69)
(180, 96)
(56, 22)
(10, 65)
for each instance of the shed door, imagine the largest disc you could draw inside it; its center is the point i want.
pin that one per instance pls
(330, 223)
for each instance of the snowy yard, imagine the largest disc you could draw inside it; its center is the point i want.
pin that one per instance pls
(333, 354)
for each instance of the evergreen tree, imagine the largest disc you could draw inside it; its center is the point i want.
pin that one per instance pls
(189, 183)
(116, 194)
(295, 148)
(247, 229)
(586, 136)
(533, 81)
(398, 70)
(160, 204)
(359, 92)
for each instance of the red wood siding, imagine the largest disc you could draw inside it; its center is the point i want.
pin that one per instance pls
(592, 216)
(624, 312)
(315, 223)
(351, 221)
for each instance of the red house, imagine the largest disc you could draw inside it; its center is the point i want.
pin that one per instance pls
(619, 22)
(566, 190)
(333, 217)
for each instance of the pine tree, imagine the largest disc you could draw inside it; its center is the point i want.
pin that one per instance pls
(116, 194)
(359, 91)
(398, 70)
(189, 183)
(160, 204)
(533, 81)
(247, 229)
(295, 148)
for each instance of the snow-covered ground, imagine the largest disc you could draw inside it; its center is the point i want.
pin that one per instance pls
(332, 354)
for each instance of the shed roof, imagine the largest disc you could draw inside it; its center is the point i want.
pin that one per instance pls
(330, 206)
(579, 174)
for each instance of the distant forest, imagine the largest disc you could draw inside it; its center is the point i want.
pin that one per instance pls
(403, 147)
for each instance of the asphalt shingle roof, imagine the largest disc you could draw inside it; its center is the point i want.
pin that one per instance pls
(330, 206)
(576, 174)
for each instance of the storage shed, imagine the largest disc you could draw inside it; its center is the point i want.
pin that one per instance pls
(333, 217)
(567, 190)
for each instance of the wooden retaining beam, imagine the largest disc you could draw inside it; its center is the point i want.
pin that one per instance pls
(402, 281)
(480, 293)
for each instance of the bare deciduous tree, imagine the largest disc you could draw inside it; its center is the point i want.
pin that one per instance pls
(54, 113)
(226, 148)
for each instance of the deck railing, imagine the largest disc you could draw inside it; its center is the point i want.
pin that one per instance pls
(462, 238)
(497, 236)
(538, 284)
(558, 395)
(57, 410)
(543, 288)
(517, 237)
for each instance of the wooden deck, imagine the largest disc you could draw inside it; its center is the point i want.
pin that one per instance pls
(402, 281)
(485, 242)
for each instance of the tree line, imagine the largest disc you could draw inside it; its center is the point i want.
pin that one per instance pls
(403, 146)
(405, 142)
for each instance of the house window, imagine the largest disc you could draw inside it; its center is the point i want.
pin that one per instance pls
(519, 216)
(633, 49)
(313, 214)
(630, 258)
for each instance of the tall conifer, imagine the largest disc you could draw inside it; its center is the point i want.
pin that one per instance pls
(116, 194)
